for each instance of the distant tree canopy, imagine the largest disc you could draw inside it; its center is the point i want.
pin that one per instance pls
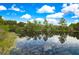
(1, 20)
(10, 22)
(74, 26)
(35, 27)
(62, 22)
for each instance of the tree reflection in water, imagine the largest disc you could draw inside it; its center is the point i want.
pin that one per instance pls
(44, 45)
(45, 38)
(62, 38)
(35, 37)
(75, 34)
(28, 38)
(40, 37)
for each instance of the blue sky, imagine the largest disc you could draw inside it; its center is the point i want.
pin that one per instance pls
(53, 12)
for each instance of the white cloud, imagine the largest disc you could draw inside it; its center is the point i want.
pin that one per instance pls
(3, 17)
(75, 16)
(56, 15)
(39, 19)
(15, 8)
(74, 8)
(71, 8)
(77, 12)
(26, 16)
(52, 18)
(2, 7)
(64, 5)
(53, 21)
(50, 21)
(76, 21)
(46, 9)
(31, 20)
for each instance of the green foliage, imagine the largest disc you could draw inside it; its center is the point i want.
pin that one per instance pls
(74, 26)
(21, 24)
(10, 22)
(36, 27)
(1, 20)
(62, 22)
(4, 27)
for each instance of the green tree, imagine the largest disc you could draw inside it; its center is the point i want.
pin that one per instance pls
(10, 22)
(74, 26)
(1, 20)
(21, 24)
(45, 22)
(62, 22)
(63, 25)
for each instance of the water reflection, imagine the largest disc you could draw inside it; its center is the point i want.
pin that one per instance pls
(35, 37)
(62, 38)
(75, 34)
(45, 45)
(45, 38)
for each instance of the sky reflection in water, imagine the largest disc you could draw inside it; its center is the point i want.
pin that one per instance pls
(55, 45)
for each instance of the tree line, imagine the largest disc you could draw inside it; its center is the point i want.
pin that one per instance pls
(35, 28)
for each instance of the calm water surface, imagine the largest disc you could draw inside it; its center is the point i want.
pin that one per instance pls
(55, 45)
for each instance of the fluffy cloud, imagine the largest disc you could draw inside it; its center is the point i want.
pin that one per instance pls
(64, 5)
(76, 21)
(26, 16)
(46, 9)
(38, 20)
(53, 21)
(50, 21)
(70, 8)
(15, 8)
(2, 7)
(74, 17)
(76, 12)
(74, 8)
(56, 15)
(52, 18)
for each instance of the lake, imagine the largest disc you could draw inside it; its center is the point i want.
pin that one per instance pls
(43, 45)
